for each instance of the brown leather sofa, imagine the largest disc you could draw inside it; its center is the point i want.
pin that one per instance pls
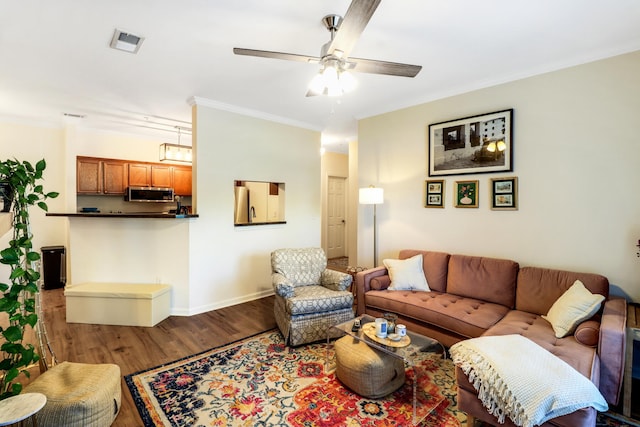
(474, 296)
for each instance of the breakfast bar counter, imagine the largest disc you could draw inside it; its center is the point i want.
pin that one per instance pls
(123, 215)
(131, 248)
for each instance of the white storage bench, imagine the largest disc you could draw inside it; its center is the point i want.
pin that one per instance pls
(126, 304)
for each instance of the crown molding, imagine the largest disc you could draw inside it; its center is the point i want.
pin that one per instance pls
(205, 102)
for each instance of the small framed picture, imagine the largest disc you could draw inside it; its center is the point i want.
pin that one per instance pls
(434, 193)
(504, 194)
(466, 194)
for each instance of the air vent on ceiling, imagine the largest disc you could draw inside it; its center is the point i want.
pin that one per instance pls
(126, 41)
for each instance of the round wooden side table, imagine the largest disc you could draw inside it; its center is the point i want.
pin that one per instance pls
(21, 407)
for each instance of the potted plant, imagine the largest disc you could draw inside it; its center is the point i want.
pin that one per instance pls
(17, 298)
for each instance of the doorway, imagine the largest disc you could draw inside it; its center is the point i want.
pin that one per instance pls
(336, 217)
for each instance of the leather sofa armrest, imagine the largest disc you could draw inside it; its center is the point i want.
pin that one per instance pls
(335, 280)
(611, 348)
(363, 284)
(281, 285)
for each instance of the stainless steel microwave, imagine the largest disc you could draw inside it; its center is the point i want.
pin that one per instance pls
(149, 194)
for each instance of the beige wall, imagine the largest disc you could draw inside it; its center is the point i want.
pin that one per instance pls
(576, 154)
(24, 142)
(232, 264)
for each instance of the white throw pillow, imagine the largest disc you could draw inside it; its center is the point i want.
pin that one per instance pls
(576, 305)
(406, 274)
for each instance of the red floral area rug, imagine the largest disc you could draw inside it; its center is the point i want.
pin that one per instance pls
(260, 381)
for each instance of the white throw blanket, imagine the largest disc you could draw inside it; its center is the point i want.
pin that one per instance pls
(517, 378)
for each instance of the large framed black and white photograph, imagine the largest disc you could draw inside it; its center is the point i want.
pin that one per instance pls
(504, 194)
(476, 144)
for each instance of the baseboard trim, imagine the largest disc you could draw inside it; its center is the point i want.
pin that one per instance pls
(221, 304)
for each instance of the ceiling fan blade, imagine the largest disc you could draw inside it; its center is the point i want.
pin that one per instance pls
(276, 55)
(353, 24)
(383, 67)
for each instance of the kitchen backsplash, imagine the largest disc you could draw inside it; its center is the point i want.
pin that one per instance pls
(108, 204)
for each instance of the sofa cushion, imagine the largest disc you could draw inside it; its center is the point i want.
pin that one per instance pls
(315, 299)
(588, 333)
(576, 305)
(487, 279)
(406, 274)
(534, 327)
(380, 283)
(538, 288)
(434, 265)
(464, 316)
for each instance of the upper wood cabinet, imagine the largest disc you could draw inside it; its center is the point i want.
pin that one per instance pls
(161, 176)
(114, 177)
(88, 176)
(182, 180)
(139, 175)
(100, 176)
(97, 176)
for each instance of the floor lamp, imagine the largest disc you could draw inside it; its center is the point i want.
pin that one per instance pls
(373, 196)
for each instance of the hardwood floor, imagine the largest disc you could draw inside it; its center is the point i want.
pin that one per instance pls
(138, 348)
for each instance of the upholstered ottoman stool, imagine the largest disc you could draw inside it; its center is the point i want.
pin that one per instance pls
(367, 371)
(78, 395)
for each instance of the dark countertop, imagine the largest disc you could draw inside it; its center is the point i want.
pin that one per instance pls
(259, 223)
(145, 215)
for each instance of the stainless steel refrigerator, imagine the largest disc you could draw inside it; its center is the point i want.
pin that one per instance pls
(242, 206)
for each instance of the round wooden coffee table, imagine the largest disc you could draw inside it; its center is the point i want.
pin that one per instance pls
(18, 408)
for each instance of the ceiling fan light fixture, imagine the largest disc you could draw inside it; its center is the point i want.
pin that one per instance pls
(348, 82)
(332, 80)
(316, 85)
(335, 53)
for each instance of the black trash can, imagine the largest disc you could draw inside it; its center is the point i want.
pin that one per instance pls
(53, 267)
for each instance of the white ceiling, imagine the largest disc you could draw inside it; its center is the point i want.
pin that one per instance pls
(55, 56)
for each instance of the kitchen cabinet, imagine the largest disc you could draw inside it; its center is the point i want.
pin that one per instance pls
(139, 175)
(114, 176)
(161, 176)
(100, 176)
(88, 176)
(150, 175)
(182, 180)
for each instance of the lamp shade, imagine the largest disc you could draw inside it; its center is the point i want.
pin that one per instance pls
(371, 196)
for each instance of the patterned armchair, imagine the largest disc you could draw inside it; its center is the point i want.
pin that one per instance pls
(309, 297)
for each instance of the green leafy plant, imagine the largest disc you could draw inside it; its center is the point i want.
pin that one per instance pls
(18, 298)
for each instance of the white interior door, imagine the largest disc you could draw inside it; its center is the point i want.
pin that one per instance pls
(336, 217)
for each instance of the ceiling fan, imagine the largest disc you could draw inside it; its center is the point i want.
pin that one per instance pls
(335, 64)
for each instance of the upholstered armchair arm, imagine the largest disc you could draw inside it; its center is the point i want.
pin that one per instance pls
(335, 280)
(611, 348)
(282, 286)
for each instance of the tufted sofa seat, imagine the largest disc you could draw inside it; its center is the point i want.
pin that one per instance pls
(479, 296)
